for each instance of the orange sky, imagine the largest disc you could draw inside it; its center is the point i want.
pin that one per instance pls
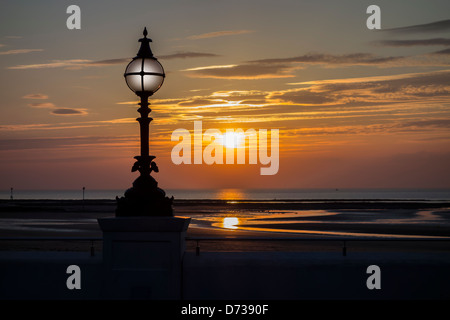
(355, 108)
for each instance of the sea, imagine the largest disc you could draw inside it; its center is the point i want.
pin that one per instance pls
(242, 194)
(287, 221)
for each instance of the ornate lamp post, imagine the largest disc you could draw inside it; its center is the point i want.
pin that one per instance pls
(144, 76)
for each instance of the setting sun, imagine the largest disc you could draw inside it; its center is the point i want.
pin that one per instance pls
(232, 139)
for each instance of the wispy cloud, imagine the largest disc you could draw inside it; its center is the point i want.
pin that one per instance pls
(38, 96)
(331, 59)
(71, 64)
(19, 51)
(284, 67)
(442, 52)
(433, 27)
(184, 55)
(68, 112)
(211, 67)
(360, 91)
(65, 125)
(391, 103)
(417, 42)
(43, 105)
(244, 71)
(64, 142)
(107, 62)
(54, 110)
(218, 34)
(52, 64)
(390, 96)
(404, 103)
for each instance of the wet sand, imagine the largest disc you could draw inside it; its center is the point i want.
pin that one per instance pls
(258, 219)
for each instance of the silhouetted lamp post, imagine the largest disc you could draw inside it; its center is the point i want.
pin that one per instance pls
(144, 76)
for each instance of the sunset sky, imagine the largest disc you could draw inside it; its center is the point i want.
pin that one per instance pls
(355, 108)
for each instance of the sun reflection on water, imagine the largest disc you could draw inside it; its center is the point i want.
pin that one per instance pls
(230, 222)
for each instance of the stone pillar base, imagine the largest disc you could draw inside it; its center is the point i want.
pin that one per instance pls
(142, 257)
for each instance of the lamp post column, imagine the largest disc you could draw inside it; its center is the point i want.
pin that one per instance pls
(144, 123)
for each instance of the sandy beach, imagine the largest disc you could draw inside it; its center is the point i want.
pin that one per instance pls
(277, 220)
(259, 250)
